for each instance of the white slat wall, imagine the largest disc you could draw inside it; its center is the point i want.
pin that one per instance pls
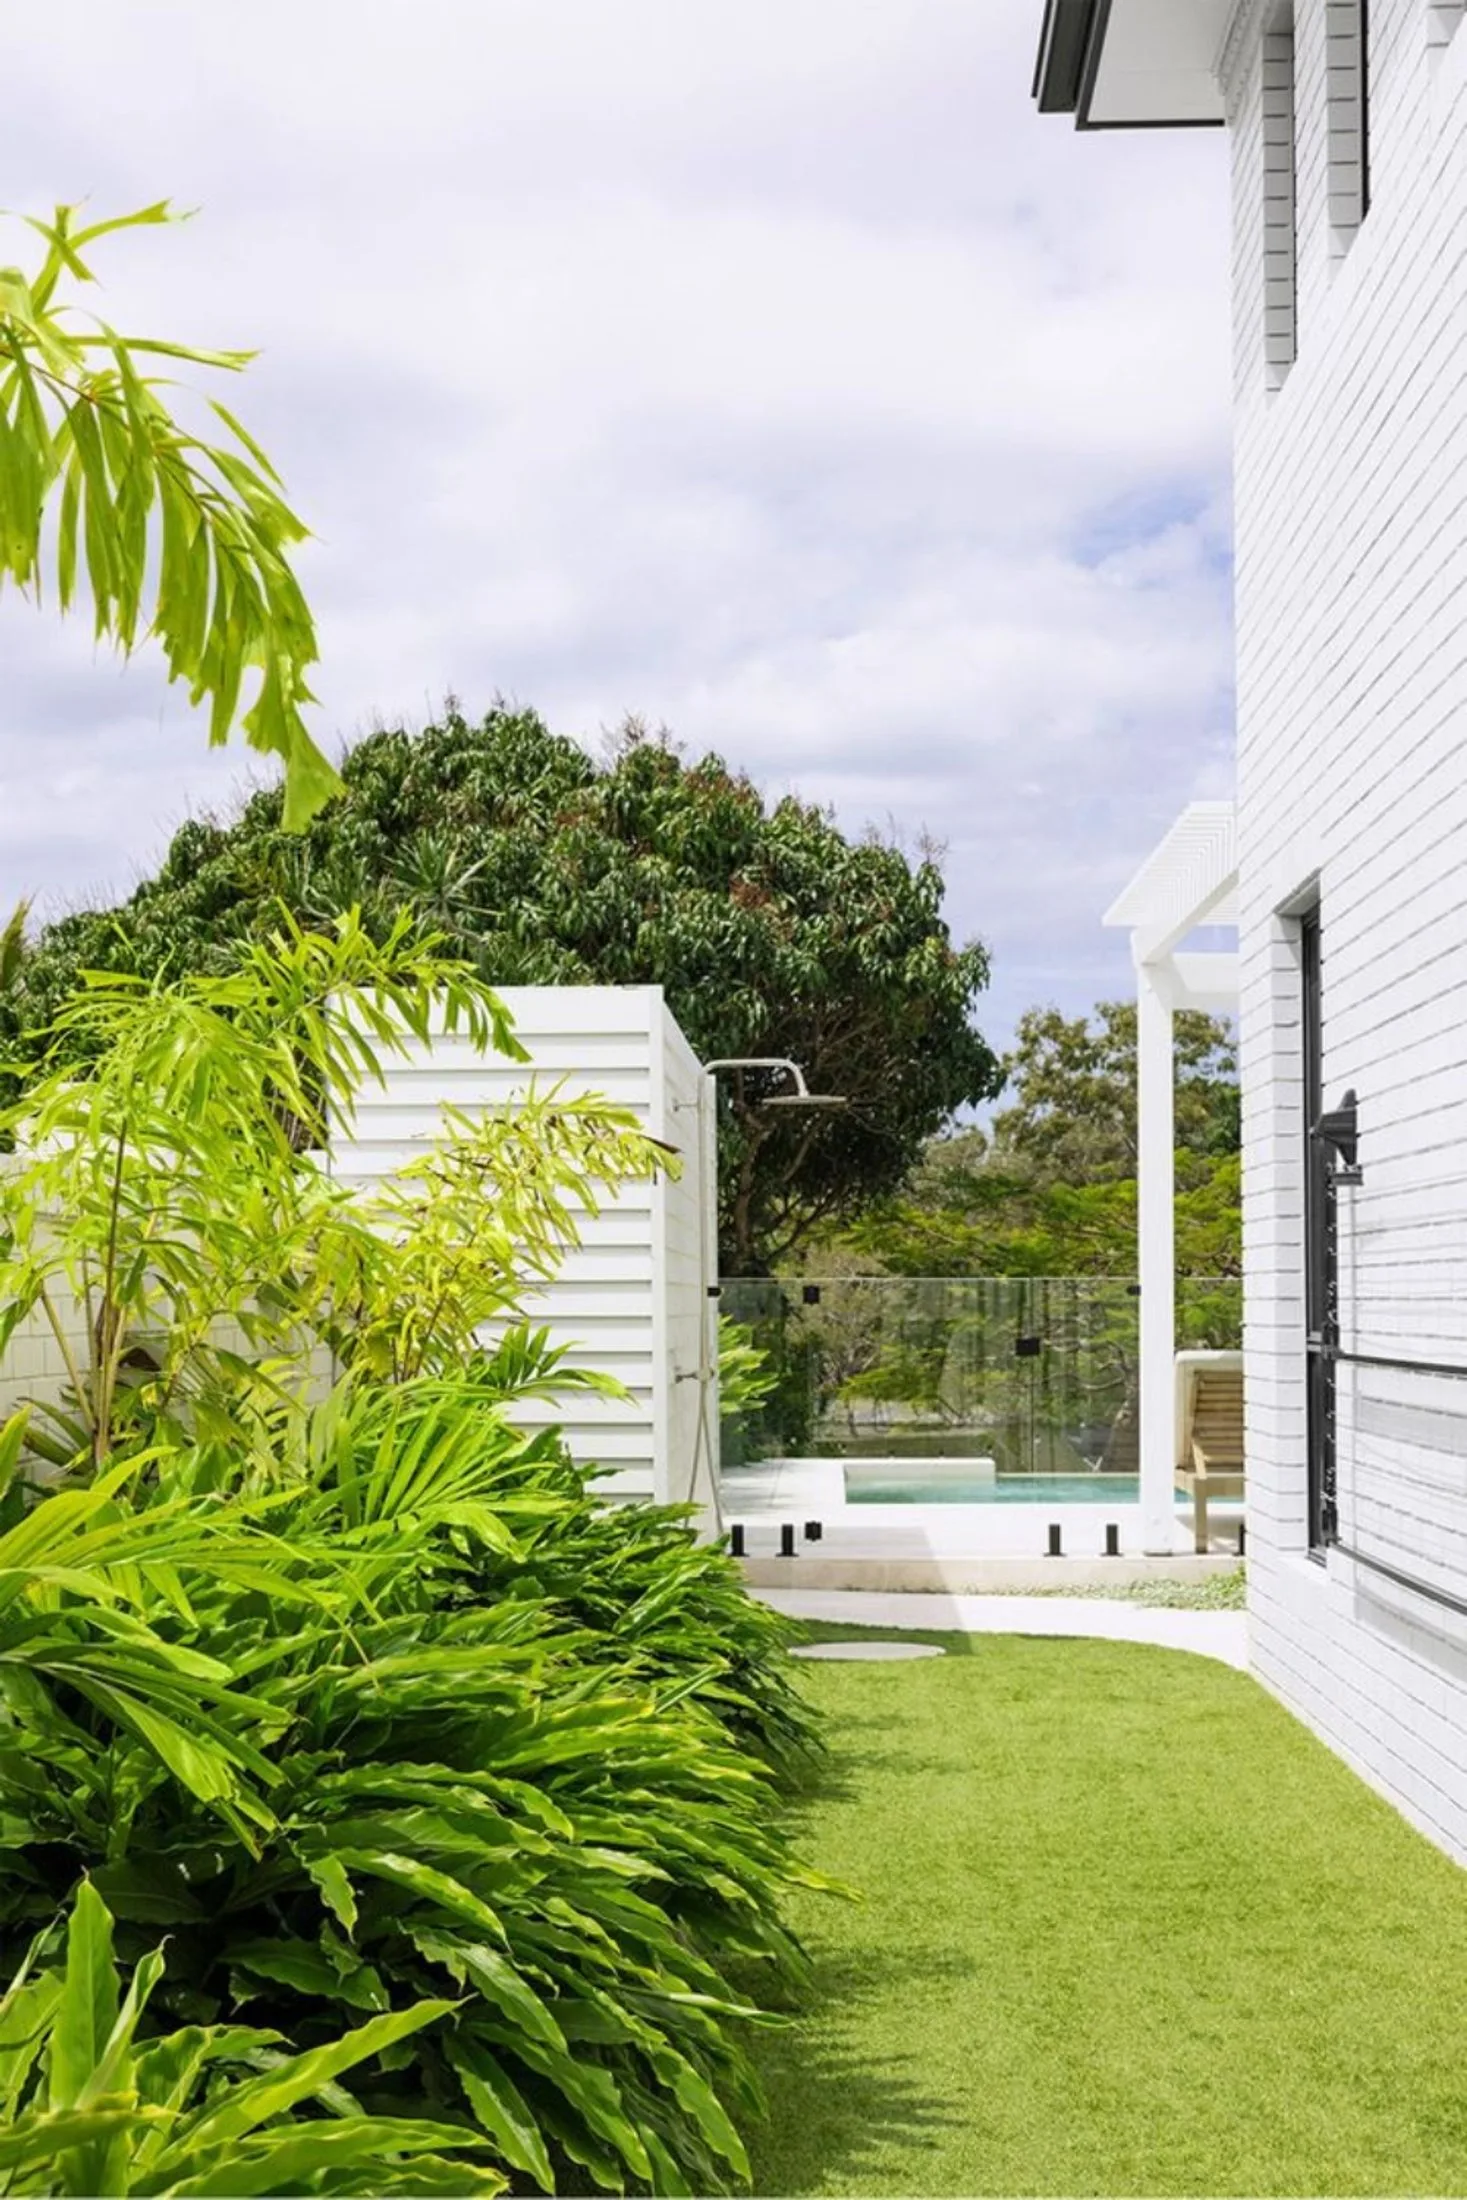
(622, 1301)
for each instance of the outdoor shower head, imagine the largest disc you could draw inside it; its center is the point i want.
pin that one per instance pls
(805, 1100)
(801, 1097)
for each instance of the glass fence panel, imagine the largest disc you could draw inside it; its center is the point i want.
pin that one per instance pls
(1036, 1375)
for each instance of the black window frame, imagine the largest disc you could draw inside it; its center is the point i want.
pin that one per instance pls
(1321, 1273)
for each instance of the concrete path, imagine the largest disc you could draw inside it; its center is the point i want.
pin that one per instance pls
(1221, 1635)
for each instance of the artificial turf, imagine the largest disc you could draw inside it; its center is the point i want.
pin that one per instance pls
(1127, 1928)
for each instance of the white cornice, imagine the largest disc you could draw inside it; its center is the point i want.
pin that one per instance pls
(1236, 44)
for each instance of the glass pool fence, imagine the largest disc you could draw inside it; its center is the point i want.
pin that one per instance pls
(1036, 1375)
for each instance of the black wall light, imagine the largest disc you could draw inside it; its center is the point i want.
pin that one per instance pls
(1339, 1128)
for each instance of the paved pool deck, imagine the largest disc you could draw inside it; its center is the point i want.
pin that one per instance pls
(1222, 1635)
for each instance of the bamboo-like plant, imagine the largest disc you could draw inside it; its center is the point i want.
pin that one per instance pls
(181, 540)
(170, 1177)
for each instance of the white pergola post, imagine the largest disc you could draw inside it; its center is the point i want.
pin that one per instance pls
(1190, 880)
(1156, 1241)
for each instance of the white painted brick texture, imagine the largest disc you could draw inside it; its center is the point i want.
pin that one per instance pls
(1352, 766)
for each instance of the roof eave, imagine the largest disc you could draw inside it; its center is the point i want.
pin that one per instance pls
(1071, 45)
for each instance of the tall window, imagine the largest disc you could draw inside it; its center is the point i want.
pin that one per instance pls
(1320, 1279)
(1347, 67)
(1280, 246)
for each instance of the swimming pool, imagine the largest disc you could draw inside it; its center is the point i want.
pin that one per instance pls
(949, 1488)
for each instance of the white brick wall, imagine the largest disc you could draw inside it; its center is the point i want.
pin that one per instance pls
(33, 1366)
(1352, 734)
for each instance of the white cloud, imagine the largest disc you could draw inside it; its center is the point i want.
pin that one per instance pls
(772, 370)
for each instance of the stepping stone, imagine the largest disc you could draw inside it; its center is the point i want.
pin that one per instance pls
(869, 1650)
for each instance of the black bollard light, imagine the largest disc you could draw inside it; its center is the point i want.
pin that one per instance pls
(736, 1539)
(1112, 1540)
(787, 1540)
(1054, 1540)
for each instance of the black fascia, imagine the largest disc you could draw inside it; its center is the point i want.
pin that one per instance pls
(1064, 43)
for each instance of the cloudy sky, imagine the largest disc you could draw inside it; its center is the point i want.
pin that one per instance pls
(768, 369)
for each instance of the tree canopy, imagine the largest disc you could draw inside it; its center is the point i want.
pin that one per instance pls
(771, 932)
(1051, 1190)
(181, 540)
(1073, 1114)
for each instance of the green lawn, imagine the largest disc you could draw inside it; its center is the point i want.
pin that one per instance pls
(1127, 1928)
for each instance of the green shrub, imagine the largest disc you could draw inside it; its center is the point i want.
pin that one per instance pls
(361, 1699)
(88, 2105)
(658, 1605)
(399, 1788)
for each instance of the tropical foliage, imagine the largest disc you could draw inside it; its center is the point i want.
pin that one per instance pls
(181, 541)
(89, 2105)
(319, 1662)
(771, 932)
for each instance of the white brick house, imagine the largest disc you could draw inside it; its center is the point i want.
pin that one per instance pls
(1348, 128)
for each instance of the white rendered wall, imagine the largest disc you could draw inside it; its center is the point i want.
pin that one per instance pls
(1351, 498)
(632, 1298)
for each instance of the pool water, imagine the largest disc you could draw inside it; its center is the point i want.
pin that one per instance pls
(1002, 1489)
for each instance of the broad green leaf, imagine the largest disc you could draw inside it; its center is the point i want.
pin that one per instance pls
(668, 2175)
(149, 1891)
(335, 1887)
(303, 1965)
(26, 2015)
(262, 2099)
(436, 1887)
(89, 2002)
(287, 2161)
(592, 2092)
(695, 2094)
(165, 2069)
(501, 2108)
(495, 1977)
(36, 2141)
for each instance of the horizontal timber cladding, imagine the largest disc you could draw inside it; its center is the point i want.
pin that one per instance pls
(631, 1299)
(1351, 576)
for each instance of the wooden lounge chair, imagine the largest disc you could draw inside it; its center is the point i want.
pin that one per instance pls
(1210, 1430)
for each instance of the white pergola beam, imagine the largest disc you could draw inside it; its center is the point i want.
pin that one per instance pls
(1204, 981)
(1152, 943)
